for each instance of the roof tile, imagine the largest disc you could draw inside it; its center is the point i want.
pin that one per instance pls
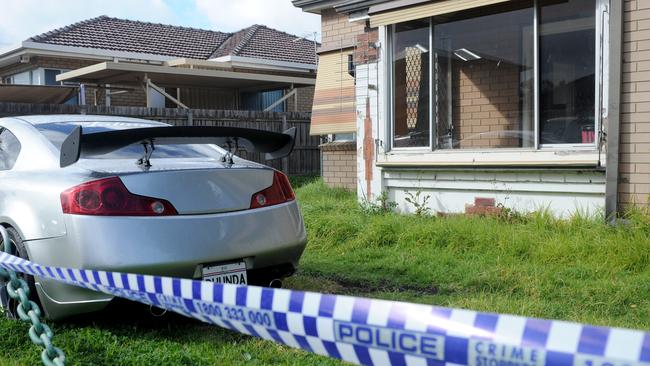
(108, 33)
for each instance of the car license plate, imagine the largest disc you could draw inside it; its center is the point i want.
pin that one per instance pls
(234, 272)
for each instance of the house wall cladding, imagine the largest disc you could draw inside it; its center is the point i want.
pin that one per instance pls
(634, 180)
(340, 164)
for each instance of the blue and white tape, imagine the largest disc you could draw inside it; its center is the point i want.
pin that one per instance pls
(368, 331)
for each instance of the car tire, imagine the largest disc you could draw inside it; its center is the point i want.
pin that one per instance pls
(8, 304)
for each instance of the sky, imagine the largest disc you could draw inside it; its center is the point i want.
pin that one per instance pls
(21, 19)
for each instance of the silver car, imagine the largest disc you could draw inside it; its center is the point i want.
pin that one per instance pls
(131, 195)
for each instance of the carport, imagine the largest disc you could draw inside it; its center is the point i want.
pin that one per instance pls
(178, 74)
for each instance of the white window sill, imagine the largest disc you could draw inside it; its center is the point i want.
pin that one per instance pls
(506, 158)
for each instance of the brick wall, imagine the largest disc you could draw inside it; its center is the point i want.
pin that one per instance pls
(337, 31)
(305, 100)
(365, 52)
(634, 184)
(340, 164)
(485, 101)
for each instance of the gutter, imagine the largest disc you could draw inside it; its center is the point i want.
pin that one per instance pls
(88, 51)
(29, 48)
(315, 6)
(260, 63)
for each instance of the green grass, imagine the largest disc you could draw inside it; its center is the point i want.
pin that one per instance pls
(580, 270)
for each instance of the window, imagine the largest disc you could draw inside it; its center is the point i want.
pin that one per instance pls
(23, 78)
(483, 86)
(38, 76)
(411, 84)
(567, 71)
(260, 100)
(344, 136)
(9, 149)
(479, 78)
(50, 77)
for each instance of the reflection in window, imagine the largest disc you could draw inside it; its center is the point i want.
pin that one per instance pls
(9, 149)
(411, 84)
(483, 84)
(567, 71)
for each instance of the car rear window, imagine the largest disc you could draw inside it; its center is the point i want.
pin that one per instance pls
(56, 133)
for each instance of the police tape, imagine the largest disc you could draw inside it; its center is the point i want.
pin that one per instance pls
(367, 331)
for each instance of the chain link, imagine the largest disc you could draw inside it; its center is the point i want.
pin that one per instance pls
(28, 311)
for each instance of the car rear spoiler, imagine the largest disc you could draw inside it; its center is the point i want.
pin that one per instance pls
(274, 145)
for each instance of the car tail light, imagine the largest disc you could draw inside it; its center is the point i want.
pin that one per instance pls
(109, 197)
(279, 192)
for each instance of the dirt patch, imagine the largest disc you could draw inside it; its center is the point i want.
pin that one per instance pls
(334, 283)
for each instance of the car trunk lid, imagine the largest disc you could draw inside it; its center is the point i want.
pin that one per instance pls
(201, 191)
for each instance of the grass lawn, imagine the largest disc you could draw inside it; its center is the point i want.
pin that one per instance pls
(579, 270)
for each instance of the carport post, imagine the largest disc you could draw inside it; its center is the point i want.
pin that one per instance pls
(82, 94)
(146, 90)
(190, 116)
(285, 160)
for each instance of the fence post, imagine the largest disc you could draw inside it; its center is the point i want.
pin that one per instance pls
(285, 160)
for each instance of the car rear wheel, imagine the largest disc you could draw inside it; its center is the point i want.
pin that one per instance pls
(8, 304)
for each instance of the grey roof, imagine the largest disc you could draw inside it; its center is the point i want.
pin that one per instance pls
(259, 41)
(108, 33)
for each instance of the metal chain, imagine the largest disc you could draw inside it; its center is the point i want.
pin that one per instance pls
(28, 311)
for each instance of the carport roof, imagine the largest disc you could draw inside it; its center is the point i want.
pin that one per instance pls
(124, 73)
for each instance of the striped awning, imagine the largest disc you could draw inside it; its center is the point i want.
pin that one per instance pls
(426, 10)
(334, 104)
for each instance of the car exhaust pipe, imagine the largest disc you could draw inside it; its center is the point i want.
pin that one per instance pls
(157, 312)
(275, 283)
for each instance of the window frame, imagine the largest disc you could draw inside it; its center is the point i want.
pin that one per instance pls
(391, 91)
(601, 89)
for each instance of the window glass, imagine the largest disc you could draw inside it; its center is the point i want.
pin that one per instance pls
(411, 84)
(344, 136)
(50, 77)
(483, 78)
(567, 53)
(23, 78)
(260, 100)
(57, 132)
(9, 149)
